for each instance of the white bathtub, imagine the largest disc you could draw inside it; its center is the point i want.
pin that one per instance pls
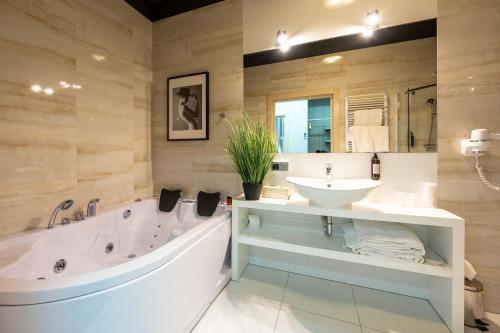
(180, 265)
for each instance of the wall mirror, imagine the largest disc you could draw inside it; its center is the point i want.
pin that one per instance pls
(376, 95)
(376, 99)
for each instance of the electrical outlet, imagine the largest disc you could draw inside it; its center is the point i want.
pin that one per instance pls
(280, 166)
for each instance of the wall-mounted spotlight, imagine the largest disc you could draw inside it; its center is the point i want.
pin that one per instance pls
(372, 22)
(48, 91)
(373, 18)
(282, 40)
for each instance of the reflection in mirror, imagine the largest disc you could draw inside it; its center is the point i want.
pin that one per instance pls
(417, 120)
(303, 125)
(383, 99)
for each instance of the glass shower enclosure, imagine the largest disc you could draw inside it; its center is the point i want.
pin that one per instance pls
(417, 120)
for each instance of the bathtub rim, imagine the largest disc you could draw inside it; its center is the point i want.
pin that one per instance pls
(15, 292)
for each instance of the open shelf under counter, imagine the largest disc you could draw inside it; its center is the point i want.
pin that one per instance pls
(316, 244)
(291, 237)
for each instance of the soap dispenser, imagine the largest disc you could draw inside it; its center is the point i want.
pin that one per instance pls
(375, 167)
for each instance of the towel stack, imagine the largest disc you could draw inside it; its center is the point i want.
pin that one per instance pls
(386, 240)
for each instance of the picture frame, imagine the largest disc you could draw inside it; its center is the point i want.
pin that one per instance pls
(188, 107)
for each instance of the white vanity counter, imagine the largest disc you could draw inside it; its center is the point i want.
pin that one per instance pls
(361, 209)
(293, 226)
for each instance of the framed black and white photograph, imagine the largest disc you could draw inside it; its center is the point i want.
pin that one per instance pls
(187, 107)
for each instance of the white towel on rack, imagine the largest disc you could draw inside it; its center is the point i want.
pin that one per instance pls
(380, 138)
(367, 139)
(360, 139)
(369, 117)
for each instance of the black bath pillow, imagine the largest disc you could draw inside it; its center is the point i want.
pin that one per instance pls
(168, 199)
(207, 203)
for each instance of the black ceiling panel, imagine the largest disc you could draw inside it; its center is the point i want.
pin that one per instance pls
(156, 10)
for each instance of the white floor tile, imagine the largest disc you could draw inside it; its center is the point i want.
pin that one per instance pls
(323, 297)
(261, 282)
(297, 321)
(390, 312)
(234, 313)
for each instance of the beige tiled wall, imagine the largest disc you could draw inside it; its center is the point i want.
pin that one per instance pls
(207, 39)
(389, 68)
(469, 97)
(79, 144)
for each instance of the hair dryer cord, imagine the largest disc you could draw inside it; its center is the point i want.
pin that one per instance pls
(483, 178)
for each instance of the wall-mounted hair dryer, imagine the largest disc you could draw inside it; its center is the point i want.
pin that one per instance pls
(479, 142)
(478, 145)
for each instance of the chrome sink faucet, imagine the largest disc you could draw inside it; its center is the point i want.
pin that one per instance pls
(62, 206)
(328, 174)
(92, 207)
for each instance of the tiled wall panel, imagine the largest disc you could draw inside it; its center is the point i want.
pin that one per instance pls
(207, 39)
(469, 98)
(77, 143)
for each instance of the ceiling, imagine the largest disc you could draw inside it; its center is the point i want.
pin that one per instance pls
(156, 10)
(311, 20)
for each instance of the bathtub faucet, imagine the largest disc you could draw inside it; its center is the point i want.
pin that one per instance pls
(92, 207)
(62, 206)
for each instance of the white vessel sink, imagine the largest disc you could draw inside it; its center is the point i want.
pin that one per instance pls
(341, 193)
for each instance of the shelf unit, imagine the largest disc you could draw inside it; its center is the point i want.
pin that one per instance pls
(444, 284)
(316, 244)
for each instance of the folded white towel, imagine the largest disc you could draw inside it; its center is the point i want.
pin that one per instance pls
(370, 117)
(432, 258)
(388, 235)
(395, 242)
(367, 139)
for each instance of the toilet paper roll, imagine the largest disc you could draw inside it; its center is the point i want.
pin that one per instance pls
(253, 221)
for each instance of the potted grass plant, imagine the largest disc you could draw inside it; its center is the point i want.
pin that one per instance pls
(251, 148)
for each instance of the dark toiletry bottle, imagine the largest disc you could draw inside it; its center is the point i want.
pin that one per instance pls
(375, 167)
